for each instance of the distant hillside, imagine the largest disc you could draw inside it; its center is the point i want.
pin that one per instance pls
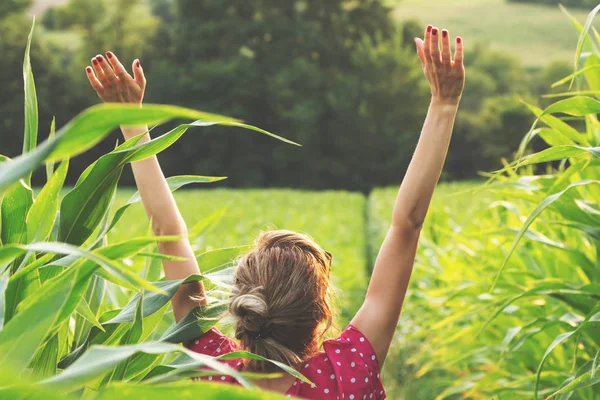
(535, 33)
(39, 6)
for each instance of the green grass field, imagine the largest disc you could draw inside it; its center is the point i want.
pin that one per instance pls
(536, 34)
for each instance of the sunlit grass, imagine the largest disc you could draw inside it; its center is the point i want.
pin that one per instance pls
(334, 219)
(536, 34)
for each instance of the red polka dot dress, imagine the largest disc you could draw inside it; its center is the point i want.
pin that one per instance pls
(347, 369)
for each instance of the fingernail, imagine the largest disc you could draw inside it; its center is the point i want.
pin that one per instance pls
(108, 54)
(137, 63)
(434, 32)
(458, 40)
(444, 33)
(95, 62)
(429, 28)
(88, 69)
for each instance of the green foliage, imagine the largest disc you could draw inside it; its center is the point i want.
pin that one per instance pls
(14, 6)
(57, 265)
(505, 301)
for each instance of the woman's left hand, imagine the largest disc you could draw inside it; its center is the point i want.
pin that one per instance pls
(446, 76)
(113, 83)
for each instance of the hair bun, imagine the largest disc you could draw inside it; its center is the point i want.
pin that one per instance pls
(251, 311)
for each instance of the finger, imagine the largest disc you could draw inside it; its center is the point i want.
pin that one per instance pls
(138, 74)
(458, 55)
(93, 80)
(446, 52)
(109, 74)
(426, 47)
(99, 72)
(117, 67)
(434, 46)
(420, 51)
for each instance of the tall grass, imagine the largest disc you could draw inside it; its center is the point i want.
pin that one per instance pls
(58, 337)
(505, 301)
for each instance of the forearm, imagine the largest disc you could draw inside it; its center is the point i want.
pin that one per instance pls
(162, 210)
(426, 165)
(157, 198)
(113, 84)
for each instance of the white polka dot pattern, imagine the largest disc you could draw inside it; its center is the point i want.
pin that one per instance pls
(347, 369)
(354, 364)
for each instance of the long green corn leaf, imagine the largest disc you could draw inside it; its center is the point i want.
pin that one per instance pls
(42, 213)
(31, 105)
(187, 391)
(98, 360)
(538, 210)
(152, 301)
(21, 337)
(15, 206)
(50, 165)
(584, 34)
(174, 182)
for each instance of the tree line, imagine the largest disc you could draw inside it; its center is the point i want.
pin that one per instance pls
(338, 76)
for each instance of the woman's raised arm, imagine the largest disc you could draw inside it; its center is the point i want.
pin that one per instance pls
(113, 84)
(378, 317)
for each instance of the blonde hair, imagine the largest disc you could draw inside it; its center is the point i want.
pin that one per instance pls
(280, 299)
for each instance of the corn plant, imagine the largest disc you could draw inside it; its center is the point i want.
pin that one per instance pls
(75, 319)
(506, 304)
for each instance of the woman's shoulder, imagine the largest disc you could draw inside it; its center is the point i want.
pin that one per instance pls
(347, 367)
(213, 343)
(351, 342)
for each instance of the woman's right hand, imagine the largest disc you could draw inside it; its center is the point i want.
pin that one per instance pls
(112, 82)
(446, 76)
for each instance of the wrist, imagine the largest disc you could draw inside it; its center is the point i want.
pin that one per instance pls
(445, 103)
(133, 131)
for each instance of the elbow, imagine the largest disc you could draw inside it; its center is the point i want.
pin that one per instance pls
(408, 223)
(169, 228)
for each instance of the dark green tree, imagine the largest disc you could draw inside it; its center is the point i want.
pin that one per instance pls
(333, 75)
(51, 80)
(14, 7)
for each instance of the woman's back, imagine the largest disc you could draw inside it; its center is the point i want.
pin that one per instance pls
(346, 369)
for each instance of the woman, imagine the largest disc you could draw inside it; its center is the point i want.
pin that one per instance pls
(279, 300)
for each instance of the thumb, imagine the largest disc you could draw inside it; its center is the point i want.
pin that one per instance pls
(420, 51)
(138, 74)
